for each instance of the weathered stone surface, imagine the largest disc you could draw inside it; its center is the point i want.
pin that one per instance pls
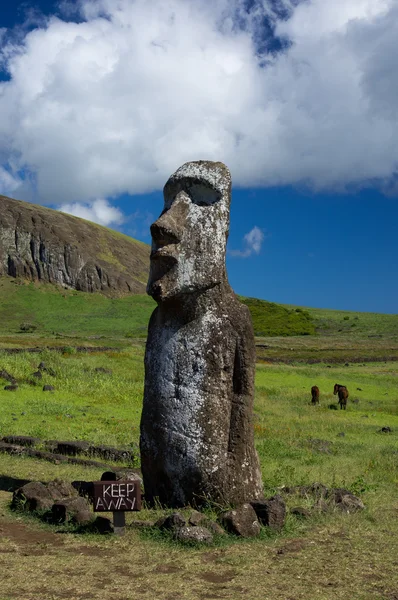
(103, 525)
(110, 453)
(67, 448)
(32, 496)
(301, 512)
(215, 528)
(173, 521)
(40, 244)
(271, 512)
(345, 500)
(189, 535)
(7, 376)
(67, 509)
(196, 427)
(61, 489)
(196, 518)
(21, 440)
(241, 521)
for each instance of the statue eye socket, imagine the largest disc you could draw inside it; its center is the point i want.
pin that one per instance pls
(203, 195)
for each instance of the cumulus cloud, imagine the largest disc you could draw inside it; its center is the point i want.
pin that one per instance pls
(99, 211)
(287, 92)
(252, 243)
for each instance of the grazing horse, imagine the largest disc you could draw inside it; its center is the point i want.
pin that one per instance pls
(315, 394)
(342, 391)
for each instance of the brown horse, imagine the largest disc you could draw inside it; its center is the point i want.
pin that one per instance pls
(342, 391)
(315, 394)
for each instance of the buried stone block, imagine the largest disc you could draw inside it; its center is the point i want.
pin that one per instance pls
(271, 512)
(241, 521)
(196, 428)
(71, 509)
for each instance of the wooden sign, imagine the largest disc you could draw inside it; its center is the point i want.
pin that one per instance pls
(117, 496)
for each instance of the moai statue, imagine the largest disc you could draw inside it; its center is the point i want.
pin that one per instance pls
(196, 425)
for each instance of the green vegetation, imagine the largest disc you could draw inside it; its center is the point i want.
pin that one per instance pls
(298, 444)
(271, 319)
(332, 322)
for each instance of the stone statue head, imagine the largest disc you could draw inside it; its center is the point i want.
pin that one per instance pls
(189, 238)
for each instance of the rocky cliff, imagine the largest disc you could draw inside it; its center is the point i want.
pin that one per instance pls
(40, 244)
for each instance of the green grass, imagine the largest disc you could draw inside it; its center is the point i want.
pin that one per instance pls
(270, 319)
(329, 556)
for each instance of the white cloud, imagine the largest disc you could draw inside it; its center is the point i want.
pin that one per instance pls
(116, 103)
(99, 211)
(8, 182)
(252, 243)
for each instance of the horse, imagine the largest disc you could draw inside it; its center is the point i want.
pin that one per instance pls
(342, 391)
(315, 394)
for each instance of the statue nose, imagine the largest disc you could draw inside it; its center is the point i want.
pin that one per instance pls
(169, 227)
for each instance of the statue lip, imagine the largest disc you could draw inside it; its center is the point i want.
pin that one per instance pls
(165, 252)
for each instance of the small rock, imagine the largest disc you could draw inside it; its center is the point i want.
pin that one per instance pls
(11, 388)
(103, 370)
(359, 389)
(5, 375)
(37, 375)
(21, 440)
(346, 364)
(271, 512)
(341, 434)
(188, 535)
(196, 518)
(60, 489)
(67, 509)
(345, 500)
(215, 528)
(386, 430)
(173, 521)
(48, 388)
(103, 525)
(31, 497)
(355, 400)
(299, 511)
(241, 521)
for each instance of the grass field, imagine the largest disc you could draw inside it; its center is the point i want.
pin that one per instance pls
(329, 556)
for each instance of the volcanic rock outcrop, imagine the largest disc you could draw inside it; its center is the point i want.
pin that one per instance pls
(40, 244)
(196, 426)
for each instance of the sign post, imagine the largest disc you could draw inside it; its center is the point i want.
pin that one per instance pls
(117, 497)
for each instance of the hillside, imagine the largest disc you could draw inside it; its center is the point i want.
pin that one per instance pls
(40, 244)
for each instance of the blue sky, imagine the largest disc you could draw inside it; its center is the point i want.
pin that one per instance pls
(99, 107)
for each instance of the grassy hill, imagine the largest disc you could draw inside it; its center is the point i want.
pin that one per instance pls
(30, 312)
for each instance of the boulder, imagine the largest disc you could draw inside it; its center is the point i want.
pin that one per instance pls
(241, 521)
(61, 489)
(71, 509)
(189, 535)
(196, 518)
(103, 525)
(300, 512)
(271, 512)
(171, 522)
(21, 440)
(33, 496)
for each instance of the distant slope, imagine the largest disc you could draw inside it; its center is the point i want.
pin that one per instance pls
(40, 244)
(48, 309)
(270, 319)
(344, 322)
